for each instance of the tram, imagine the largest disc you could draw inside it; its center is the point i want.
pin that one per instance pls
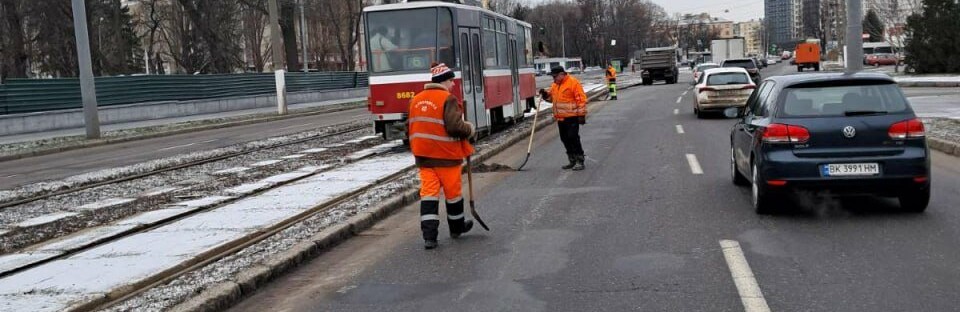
(491, 55)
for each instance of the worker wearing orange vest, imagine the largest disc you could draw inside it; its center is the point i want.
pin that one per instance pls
(570, 110)
(439, 141)
(612, 81)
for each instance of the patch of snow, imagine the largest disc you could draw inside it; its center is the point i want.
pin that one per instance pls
(927, 79)
(153, 216)
(248, 188)
(374, 150)
(231, 171)
(294, 156)
(265, 163)
(202, 202)
(314, 150)
(43, 302)
(45, 219)
(10, 262)
(106, 203)
(83, 238)
(361, 139)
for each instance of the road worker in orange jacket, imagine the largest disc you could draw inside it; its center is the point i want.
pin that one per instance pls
(439, 141)
(570, 110)
(611, 76)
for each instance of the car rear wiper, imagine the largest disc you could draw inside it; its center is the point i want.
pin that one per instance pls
(864, 112)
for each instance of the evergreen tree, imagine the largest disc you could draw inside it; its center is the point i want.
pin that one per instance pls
(873, 26)
(934, 38)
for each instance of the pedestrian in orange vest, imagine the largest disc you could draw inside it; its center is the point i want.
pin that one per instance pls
(570, 110)
(611, 76)
(439, 142)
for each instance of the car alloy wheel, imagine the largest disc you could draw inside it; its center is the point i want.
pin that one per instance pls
(738, 179)
(761, 201)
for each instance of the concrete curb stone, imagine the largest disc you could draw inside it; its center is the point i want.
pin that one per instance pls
(947, 147)
(248, 281)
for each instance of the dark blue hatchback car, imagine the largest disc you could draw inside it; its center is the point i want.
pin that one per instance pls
(846, 133)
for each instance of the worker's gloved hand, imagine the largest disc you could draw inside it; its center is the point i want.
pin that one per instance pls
(582, 120)
(544, 94)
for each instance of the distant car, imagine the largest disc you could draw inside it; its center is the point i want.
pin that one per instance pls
(746, 63)
(760, 63)
(722, 88)
(697, 71)
(878, 59)
(771, 61)
(851, 134)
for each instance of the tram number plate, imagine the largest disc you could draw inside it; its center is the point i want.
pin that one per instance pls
(861, 169)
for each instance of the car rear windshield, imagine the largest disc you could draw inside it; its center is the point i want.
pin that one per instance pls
(840, 100)
(740, 63)
(706, 67)
(728, 78)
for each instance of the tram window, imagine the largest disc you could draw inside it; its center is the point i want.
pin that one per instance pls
(489, 48)
(407, 40)
(502, 56)
(528, 48)
(522, 46)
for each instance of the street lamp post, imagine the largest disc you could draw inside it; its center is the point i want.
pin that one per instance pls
(88, 91)
(854, 53)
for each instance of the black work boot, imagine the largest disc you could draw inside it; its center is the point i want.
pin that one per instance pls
(455, 219)
(429, 222)
(579, 163)
(573, 162)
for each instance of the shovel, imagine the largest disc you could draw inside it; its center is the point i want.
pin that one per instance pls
(473, 207)
(533, 129)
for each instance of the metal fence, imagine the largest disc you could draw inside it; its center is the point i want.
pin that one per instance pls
(38, 95)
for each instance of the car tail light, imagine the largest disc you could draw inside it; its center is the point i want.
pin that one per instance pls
(705, 89)
(776, 182)
(748, 87)
(906, 129)
(781, 133)
(920, 179)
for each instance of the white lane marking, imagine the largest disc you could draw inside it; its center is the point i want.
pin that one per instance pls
(694, 164)
(685, 93)
(676, 111)
(690, 88)
(750, 294)
(208, 141)
(680, 129)
(294, 156)
(679, 99)
(176, 146)
(11, 176)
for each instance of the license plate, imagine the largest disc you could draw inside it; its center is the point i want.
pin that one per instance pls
(729, 92)
(840, 170)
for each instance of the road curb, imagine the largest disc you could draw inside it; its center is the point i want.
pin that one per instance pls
(248, 281)
(947, 147)
(100, 142)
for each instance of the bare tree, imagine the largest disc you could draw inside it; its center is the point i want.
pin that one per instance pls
(13, 53)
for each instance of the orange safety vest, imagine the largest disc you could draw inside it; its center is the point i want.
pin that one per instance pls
(611, 73)
(568, 99)
(428, 136)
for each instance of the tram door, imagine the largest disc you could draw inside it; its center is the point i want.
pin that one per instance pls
(472, 74)
(515, 75)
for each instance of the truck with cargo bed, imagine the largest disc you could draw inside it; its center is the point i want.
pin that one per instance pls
(659, 64)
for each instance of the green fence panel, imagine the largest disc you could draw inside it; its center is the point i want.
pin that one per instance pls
(38, 95)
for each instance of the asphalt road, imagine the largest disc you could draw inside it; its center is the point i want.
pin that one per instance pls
(65, 164)
(640, 230)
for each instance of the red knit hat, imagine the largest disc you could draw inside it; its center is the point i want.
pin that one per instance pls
(440, 73)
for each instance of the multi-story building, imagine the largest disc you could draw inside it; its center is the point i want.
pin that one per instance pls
(784, 21)
(752, 35)
(691, 22)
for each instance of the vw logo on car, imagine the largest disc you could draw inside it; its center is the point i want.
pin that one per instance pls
(849, 132)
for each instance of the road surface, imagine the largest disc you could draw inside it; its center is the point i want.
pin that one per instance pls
(641, 229)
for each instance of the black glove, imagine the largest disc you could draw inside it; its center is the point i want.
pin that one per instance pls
(582, 120)
(544, 94)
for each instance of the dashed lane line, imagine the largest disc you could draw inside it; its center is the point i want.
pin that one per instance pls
(676, 111)
(685, 93)
(694, 164)
(680, 129)
(208, 141)
(743, 278)
(679, 99)
(176, 146)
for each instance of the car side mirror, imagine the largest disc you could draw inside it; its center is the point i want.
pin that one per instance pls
(732, 112)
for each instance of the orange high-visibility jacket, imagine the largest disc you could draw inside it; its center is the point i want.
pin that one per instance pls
(428, 137)
(611, 73)
(568, 98)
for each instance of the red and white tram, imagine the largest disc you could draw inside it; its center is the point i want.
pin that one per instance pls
(490, 53)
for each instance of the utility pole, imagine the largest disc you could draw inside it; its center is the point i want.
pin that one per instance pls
(563, 42)
(88, 90)
(303, 35)
(278, 66)
(854, 53)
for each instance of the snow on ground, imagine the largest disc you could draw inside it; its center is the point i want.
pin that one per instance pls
(57, 284)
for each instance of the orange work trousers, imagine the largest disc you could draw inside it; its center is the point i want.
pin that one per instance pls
(435, 178)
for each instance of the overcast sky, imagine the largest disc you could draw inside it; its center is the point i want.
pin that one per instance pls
(735, 10)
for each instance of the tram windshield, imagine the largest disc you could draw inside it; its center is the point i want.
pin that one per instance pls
(409, 40)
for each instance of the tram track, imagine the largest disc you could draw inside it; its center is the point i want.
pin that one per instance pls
(193, 163)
